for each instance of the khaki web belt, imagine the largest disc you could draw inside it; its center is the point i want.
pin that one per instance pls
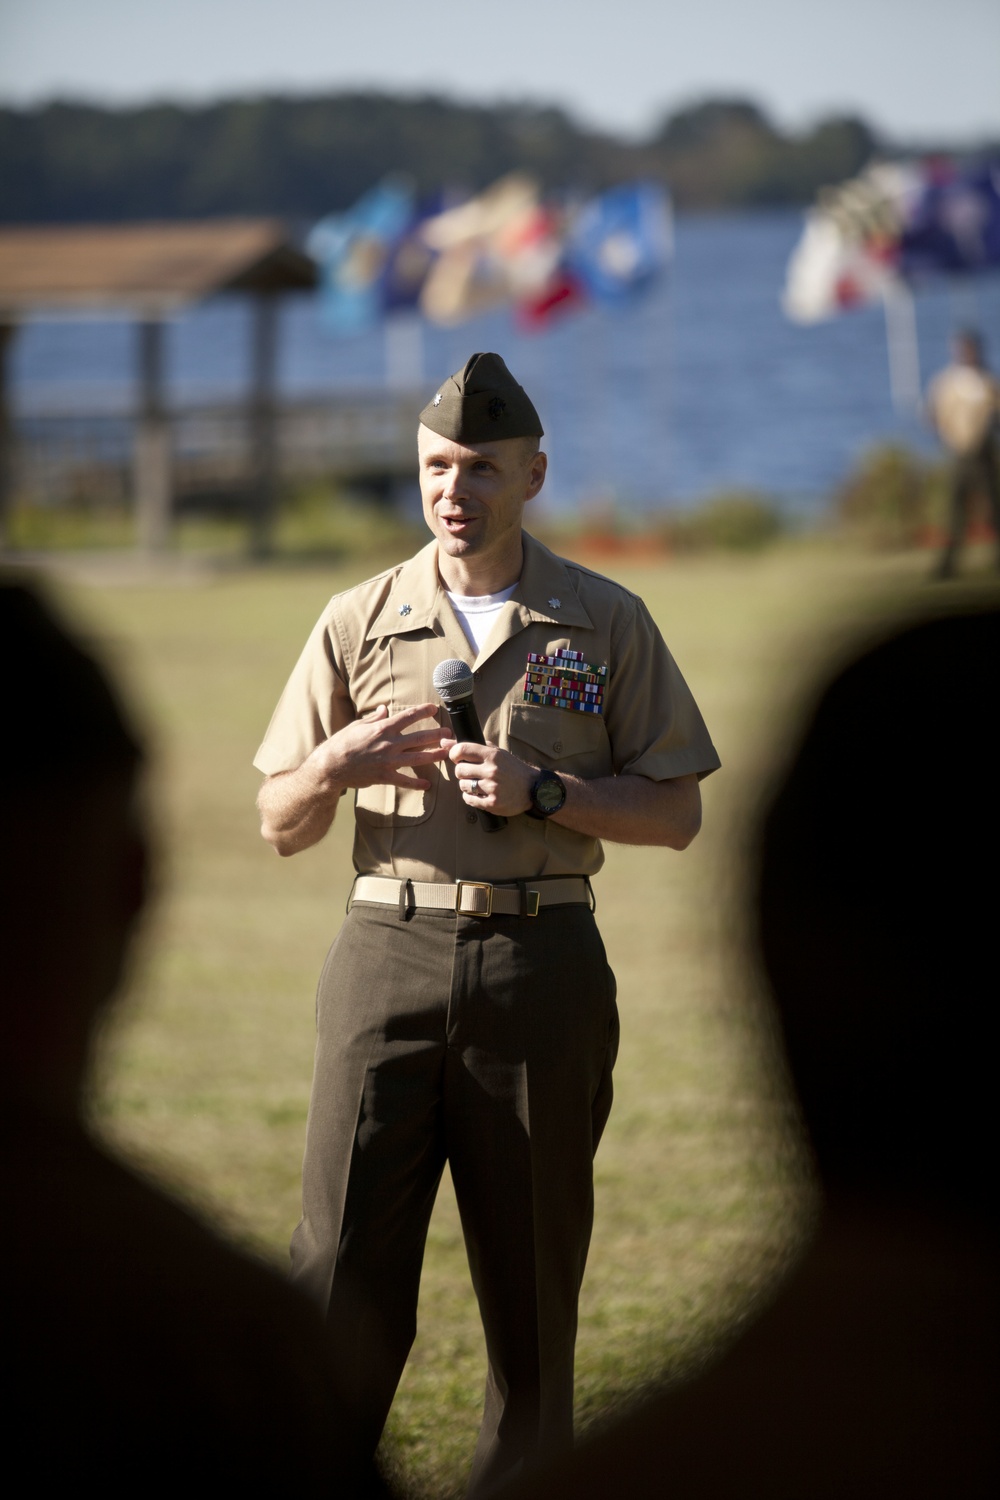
(475, 898)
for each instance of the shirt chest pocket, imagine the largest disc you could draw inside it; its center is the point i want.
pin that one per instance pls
(561, 738)
(384, 806)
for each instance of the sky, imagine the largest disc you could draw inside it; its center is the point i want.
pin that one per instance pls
(917, 69)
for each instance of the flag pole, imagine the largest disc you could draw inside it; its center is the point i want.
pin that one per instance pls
(404, 351)
(903, 347)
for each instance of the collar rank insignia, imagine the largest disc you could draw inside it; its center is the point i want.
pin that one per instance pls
(405, 609)
(565, 680)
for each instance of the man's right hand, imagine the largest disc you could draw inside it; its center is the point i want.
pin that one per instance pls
(377, 749)
(298, 807)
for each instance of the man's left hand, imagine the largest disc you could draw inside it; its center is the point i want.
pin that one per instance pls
(626, 809)
(491, 779)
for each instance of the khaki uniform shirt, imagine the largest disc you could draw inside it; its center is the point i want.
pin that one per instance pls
(379, 643)
(965, 405)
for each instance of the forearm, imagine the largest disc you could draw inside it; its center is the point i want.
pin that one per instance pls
(622, 809)
(297, 808)
(633, 809)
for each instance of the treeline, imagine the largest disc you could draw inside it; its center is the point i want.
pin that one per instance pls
(303, 157)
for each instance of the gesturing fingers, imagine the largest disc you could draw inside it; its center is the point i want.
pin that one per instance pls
(406, 716)
(392, 738)
(382, 746)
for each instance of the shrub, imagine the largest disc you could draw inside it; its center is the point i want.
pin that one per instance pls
(739, 521)
(893, 498)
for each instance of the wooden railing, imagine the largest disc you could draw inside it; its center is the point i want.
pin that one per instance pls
(62, 456)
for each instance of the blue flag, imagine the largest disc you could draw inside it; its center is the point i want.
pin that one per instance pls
(621, 241)
(353, 251)
(954, 225)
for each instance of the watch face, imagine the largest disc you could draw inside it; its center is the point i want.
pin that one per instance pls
(549, 794)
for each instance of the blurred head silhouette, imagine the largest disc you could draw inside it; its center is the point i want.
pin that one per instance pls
(144, 1349)
(873, 1371)
(877, 915)
(73, 853)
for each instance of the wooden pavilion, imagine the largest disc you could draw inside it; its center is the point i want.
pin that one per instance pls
(149, 272)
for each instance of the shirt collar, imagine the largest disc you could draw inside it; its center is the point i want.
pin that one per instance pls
(545, 592)
(415, 598)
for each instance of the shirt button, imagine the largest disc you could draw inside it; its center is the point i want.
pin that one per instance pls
(471, 817)
(557, 746)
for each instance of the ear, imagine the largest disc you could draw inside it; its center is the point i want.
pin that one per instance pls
(537, 469)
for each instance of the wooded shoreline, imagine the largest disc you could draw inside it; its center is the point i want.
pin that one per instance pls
(303, 157)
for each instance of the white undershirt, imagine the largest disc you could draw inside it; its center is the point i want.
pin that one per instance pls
(478, 613)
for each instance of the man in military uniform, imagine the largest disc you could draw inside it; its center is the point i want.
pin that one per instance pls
(964, 405)
(466, 1011)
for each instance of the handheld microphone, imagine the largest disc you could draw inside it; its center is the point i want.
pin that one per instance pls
(454, 685)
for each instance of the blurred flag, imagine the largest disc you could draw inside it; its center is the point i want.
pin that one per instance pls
(621, 241)
(353, 251)
(410, 258)
(849, 250)
(503, 246)
(874, 236)
(489, 249)
(562, 293)
(828, 273)
(954, 222)
(894, 223)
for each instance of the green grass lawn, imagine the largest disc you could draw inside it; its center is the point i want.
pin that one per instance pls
(700, 1193)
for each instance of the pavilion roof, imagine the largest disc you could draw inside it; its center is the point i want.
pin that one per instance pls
(146, 269)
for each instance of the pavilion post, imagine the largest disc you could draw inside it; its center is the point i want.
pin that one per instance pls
(263, 422)
(151, 470)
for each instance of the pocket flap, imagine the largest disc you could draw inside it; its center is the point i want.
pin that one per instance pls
(561, 734)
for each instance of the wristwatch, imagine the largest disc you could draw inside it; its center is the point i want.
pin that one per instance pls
(548, 793)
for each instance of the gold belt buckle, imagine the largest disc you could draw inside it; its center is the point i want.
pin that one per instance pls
(474, 885)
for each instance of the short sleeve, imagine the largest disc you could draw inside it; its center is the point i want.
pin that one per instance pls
(654, 724)
(315, 704)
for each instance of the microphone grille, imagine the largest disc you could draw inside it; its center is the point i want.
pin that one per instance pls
(452, 680)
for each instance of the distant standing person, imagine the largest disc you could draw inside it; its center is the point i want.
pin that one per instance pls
(964, 404)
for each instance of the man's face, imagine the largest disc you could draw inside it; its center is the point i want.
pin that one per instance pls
(474, 497)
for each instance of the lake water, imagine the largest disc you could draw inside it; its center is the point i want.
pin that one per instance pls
(700, 386)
